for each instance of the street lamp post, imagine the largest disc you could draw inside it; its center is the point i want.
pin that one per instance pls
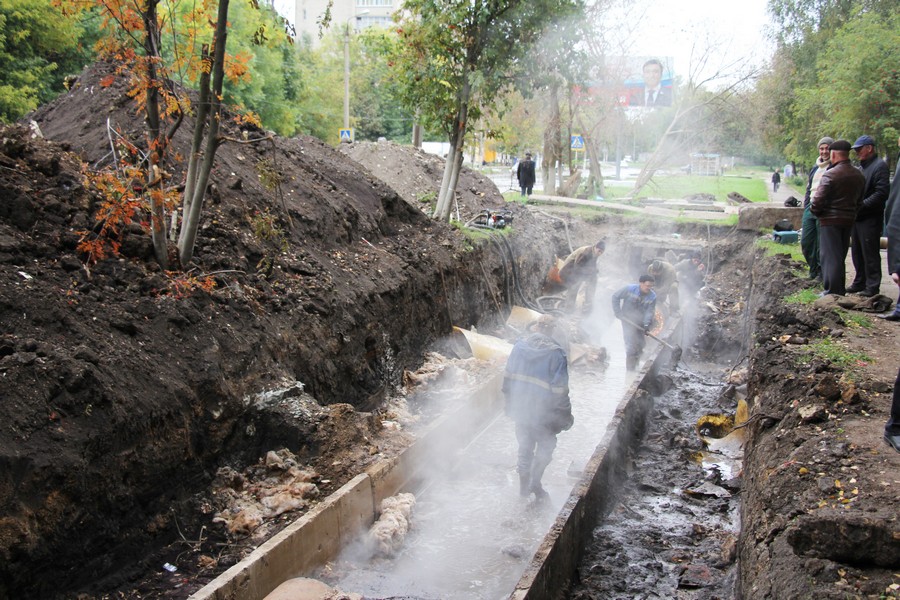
(347, 67)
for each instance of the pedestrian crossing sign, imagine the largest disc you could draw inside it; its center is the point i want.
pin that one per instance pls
(346, 135)
(577, 143)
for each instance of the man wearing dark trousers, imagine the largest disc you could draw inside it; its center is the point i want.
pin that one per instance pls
(892, 427)
(635, 305)
(525, 173)
(865, 248)
(835, 203)
(809, 240)
(892, 231)
(536, 387)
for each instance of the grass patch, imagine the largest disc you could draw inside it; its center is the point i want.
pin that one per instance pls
(679, 186)
(773, 248)
(802, 297)
(829, 349)
(851, 319)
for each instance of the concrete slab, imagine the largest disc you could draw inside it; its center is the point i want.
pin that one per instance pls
(755, 217)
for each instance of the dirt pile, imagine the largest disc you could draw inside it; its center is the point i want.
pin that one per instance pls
(126, 388)
(416, 176)
(820, 507)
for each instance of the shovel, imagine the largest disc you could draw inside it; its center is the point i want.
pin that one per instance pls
(676, 350)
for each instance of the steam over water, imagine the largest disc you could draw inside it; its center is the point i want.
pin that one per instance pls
(472, 535)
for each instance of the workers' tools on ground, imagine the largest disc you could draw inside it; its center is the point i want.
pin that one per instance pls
(676, 350)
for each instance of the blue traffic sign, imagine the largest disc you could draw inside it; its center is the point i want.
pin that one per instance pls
(577, 143)
(346, 135)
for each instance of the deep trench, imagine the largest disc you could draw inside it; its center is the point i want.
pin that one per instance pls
(672, 529)
(633, 255)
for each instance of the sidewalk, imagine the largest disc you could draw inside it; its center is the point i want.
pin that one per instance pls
(784, 192)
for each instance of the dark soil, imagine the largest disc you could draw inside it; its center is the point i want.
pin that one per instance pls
(139, 411)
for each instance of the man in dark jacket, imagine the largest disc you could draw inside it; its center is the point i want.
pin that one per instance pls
(865, 248)
(835, 203)
(635, 305)
(892, 231)
(892, 427)
(526, 175)
(809, 238)
(536, 387)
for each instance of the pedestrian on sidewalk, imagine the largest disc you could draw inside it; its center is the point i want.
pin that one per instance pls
(809, 237)
(526, 175)
(865, 248)
(776, 180)
(835, 203)
(536, 388)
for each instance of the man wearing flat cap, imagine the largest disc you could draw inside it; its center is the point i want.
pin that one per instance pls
(809, 239)
(865, 245)
(835, 203)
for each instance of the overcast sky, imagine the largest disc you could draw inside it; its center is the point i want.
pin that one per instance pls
(669, 27)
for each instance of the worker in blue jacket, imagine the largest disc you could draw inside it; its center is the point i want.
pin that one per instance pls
(536, 388)
(635, 306)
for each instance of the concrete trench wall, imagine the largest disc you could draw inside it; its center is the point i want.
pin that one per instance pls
(318, 536)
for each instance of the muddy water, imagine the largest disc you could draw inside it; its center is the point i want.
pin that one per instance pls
(472, 534)
(673, 534)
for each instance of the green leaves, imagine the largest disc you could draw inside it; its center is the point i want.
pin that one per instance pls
(35, 39)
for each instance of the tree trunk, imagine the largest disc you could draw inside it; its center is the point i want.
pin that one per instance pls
(454, 179)
(192, 220)
(157, 142)
(457, 139)
(595, 181)
(552, 153)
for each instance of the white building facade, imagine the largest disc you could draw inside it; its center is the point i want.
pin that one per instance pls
(357, 14)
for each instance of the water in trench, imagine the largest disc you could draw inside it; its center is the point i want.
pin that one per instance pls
(472, 535)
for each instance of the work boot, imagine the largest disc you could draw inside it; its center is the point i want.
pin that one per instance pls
(540, 494)
(524, 485)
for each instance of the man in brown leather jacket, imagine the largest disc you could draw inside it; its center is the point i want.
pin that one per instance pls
(835, 203)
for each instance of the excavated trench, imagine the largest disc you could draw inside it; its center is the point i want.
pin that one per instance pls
(472, 536)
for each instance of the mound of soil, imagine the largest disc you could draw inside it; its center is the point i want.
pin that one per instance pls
(126, 389)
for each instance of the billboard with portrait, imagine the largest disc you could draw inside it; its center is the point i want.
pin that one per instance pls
(648, 81)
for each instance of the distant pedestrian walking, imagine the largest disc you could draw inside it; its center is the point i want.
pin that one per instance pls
(526, 175)
(776, 180)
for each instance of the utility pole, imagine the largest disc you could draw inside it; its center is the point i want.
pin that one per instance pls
(347, 67)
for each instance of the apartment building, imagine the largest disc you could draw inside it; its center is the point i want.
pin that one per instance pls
(357, 14)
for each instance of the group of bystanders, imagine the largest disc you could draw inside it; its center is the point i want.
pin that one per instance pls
(850, 208)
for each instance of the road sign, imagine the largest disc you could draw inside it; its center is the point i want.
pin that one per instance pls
(577, 143)
(346, 135)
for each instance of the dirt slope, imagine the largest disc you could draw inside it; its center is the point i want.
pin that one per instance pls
(124, 391)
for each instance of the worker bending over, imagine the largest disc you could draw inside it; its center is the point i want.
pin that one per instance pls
(666, 285)
(579, 272)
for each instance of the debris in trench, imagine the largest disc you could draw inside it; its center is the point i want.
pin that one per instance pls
(274, 486)
(387, 534)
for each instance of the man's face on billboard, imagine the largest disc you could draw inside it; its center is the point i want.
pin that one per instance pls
(652, 75)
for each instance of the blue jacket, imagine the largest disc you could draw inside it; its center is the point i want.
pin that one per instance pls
(629, 303)
(536, 384)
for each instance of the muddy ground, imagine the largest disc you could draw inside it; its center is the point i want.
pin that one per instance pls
(140, 415)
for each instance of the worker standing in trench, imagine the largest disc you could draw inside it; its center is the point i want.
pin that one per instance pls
(536, 388)
(635, 306)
